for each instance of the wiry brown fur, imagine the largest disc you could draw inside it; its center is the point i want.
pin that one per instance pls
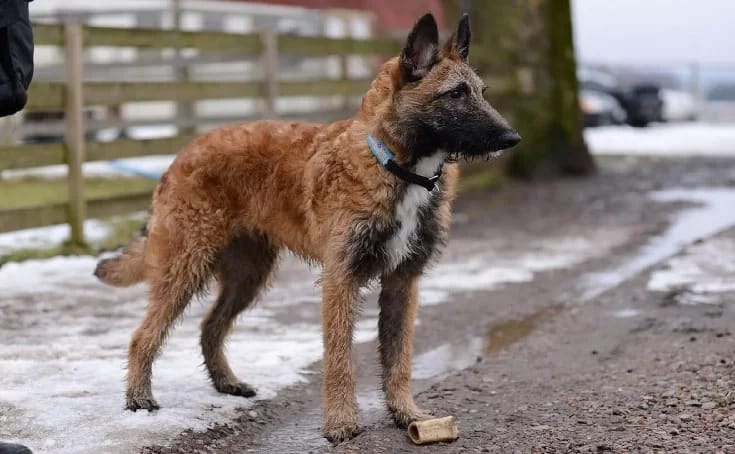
(235, 197)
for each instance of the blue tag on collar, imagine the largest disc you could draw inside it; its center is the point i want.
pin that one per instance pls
(380, 150)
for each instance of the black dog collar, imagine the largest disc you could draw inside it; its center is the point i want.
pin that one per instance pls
(388, 160)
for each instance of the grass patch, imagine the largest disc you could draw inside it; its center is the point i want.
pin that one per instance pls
(20, 255)
(481, 179)
(34, 191)
(120, 233)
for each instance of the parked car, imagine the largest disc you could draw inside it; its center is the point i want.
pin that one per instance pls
(600, 109)
(679, 105)
(643, 104)
(641, 101)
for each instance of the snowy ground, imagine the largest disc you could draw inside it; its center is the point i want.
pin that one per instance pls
(675, 139)
(65, 338)
(702, 275)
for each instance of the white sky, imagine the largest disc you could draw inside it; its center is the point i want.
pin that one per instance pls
(655, 31)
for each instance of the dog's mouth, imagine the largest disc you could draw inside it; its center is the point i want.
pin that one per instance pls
(471, 157)
(493, 148)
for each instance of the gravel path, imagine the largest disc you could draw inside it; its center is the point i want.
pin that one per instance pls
(586, 381)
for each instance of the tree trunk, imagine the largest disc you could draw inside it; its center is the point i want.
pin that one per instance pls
(531, 43)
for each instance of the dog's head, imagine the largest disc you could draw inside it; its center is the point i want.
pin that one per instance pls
(439, 101)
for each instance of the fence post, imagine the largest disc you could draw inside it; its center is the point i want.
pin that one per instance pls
(344, 67)
(74, 119)
(344, 62)
(269, 39)
(184, 110)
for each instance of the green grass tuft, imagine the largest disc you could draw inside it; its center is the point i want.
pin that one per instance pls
(481, 179)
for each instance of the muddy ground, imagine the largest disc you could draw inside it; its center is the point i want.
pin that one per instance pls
(539, 366)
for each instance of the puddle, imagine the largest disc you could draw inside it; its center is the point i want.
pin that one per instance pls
(715, 213)
(447, 358)
(506, 333)
(500, 335)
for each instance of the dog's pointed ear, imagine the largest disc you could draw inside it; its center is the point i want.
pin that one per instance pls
(420, 52)
(459, 42)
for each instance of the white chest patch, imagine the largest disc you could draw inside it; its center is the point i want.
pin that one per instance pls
(407, 211)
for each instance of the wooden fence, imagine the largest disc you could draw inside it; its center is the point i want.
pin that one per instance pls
(74, 94)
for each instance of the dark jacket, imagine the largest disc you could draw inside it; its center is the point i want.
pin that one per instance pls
(16, 55)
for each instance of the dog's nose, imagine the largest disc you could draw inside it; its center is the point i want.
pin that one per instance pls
(508, 139)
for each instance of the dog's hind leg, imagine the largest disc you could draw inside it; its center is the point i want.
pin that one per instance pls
(180, 270)
(242, 269)
(398, 300)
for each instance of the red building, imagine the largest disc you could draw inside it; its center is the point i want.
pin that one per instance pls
(392, 15)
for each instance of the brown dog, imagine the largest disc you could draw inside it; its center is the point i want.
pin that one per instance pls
(332, 194)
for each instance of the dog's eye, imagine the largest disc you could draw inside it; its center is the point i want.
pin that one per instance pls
(458, 92)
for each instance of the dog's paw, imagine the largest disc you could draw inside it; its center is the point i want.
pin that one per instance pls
(341, 432)
(236, 389)
(404, 417)
(141, 403)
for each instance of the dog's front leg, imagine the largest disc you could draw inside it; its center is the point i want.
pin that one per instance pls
(398, 300)
(340, 299)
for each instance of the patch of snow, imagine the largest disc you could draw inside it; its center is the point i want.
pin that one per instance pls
(714, 214)
(700, 273)
(94, 230)
(628, 312)
(475, 275)
(49, 236)
(681, 139)
(493, 270)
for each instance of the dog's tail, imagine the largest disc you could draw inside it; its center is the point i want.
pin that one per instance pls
(127, 268)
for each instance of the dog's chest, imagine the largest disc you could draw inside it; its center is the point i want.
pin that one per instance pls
(375, 247)
(407, 219)
(408, 210)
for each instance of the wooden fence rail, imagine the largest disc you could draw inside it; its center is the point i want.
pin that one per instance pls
(51, 95)
(75, 94)
(53, 35)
